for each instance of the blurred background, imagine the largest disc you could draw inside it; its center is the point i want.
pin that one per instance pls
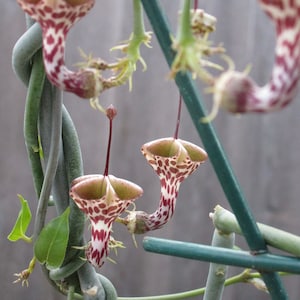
(263, 149)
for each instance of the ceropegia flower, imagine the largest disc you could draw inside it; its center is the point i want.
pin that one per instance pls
(192, 45)
(56, 17)
(238, 93)
(173, 160)
(102, 199)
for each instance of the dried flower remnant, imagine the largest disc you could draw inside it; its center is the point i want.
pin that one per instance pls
(102, 199)
(236, 92)
(56, 18)
(173, 160)
(202, 23)
(23, 277)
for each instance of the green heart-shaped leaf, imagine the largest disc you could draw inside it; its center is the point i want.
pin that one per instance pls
(50, 246)
(21, 225)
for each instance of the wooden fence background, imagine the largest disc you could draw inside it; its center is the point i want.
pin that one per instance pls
(263, 149)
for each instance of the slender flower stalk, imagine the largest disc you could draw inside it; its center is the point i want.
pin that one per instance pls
(111, 112)
(238, 93)
(173, 160)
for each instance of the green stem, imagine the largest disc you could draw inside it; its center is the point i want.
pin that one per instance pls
(67, 270)
(56, 121)
(60, 191)
(245, 276)
(71, 146)
(265, 262)
(110, 291)
(34, 94)
(213, 147)
(26, 239)
(217, 272)
(138, 20)
(30, 69)
(177, 296)
(69, 164)
(139, 34)
(28, 66)
(90, 283)
(226, 222)
(74, 168)
(184, 31)
(242, 277)
(71, 293)
(27, 45)
(22, 62)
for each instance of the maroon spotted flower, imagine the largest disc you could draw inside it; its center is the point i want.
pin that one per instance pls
(102, 199)
(56, 18)
(173, 160)
(238, 93)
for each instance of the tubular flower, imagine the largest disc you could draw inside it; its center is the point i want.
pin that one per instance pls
(238, 93)
(56, 18)
(102, 199)
(173, 160)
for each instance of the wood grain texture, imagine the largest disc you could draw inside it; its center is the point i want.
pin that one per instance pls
(263, 149)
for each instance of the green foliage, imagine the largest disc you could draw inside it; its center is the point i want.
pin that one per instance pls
(51, 244)
(22, 222)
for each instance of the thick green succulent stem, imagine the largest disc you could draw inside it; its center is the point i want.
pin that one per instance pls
(226, 222)
(31, 135)
(217, 272)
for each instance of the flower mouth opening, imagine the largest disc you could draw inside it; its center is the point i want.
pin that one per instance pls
(76, 2)
(32, 1)
(90, 189)
(164, 148)
(172, 147)
(93, 187)
(125, 190)
(195, 153)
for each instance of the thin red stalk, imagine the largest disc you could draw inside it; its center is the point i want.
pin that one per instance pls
(195, 4)
(108, 149)
(178, 118)
(110, 113)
